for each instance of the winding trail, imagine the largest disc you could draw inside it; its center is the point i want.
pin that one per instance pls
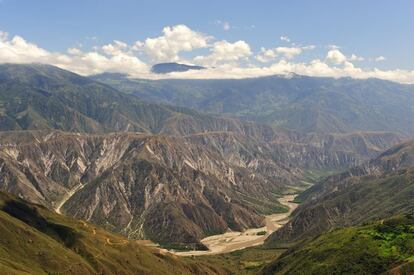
(232, 241)
(67, 197)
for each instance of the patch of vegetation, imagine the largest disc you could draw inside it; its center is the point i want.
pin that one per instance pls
(266, 206)
(297, 200)
(369, 249)
(183, 247)
(247, 261)
(261, 233)
(315, 175)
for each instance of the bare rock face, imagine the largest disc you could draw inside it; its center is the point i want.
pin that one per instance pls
(171, 189)
(376, 189)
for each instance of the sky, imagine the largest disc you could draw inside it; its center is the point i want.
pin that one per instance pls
(233, 39)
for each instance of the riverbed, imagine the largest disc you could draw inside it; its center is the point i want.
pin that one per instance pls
(232, 241)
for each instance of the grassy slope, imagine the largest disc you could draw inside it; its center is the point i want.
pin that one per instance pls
(247, 261)
(35, 240)
(366, 249)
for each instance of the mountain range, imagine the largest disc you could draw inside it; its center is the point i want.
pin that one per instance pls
(192, 173)
(175, 161)
(302, 103)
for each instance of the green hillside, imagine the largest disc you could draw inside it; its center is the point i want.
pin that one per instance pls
(39, 97)
(34, 240)
(386, 245)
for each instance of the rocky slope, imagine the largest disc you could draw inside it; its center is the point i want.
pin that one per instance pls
(140, 184)
(377, 189)
(34, 240)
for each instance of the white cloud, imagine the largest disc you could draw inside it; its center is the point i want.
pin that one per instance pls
(224, 59)
(174, 40)
(18, 50)
(115, 49)
(336, 56)
(333, 47)
(224, 51)
(74, 51)
(309, 47)
(266, 55)
(288, 52)
(283, 67)
(285, 38)
(379, 58)
(354, 57)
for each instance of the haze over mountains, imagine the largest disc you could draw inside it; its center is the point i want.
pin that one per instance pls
(306, 104)
(118, 152)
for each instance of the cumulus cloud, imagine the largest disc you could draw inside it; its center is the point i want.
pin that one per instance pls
(379, 58)
(315, 67)
(112, 58)
(268, 55)
(115, 49)
(288, 52)
(224, 51)
(174, 40)
(336, 56)
(17, 50)
(224, 59)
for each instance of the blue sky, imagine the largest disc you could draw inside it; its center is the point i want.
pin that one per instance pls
(366, 29)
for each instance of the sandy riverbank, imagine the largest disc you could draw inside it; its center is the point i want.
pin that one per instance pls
(232, 241)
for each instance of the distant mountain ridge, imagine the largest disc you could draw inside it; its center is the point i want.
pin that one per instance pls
(164, 68)
(302, 103)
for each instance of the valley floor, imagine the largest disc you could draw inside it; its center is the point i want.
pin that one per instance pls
(232, 241)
